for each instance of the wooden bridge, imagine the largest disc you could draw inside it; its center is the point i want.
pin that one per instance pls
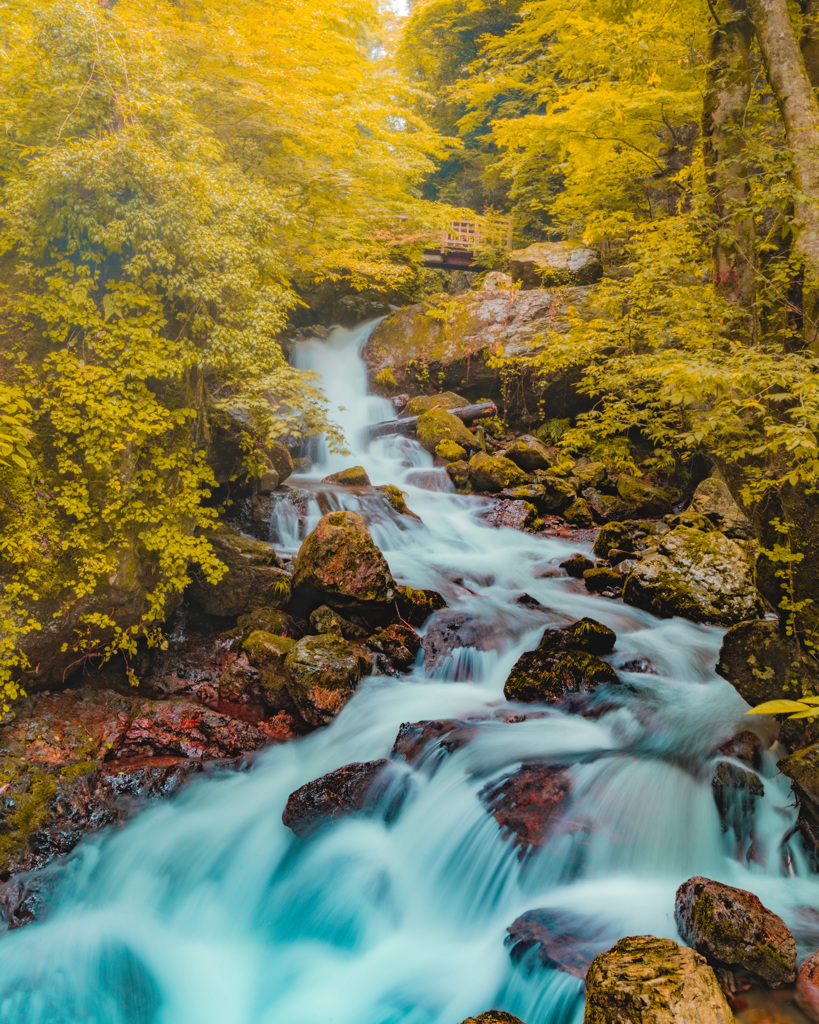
(458, 245)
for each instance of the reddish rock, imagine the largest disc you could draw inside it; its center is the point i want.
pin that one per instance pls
(399, 644)
(452, 630)
(731, 927)
(416, 606)
(415, 739)
(744, 746)
(322, 675)
(559, 939)
(529, 802)
(339, 559)
(807, 986)
(493, 1017)
(355, 788)
(190, 730)
(515, 515)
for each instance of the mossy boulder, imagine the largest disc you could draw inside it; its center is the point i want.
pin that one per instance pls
(438, 425)
(423, 403)
(705, 577)
(458, 473)
(546, 675)
(590, 474)
(416, 606)
(450, 451)
(322, 675)
(589, 635)
(762, 664)
(253, 575)
(546, 264)
(270, 620)
(579, 514)
(493, 474)
(355, 476)
(713, 500)
(340, 561)
(731, 928)
(326, 621)
(647, 980)
(576, 565)
(643, 498)
(600, 578)
(528, 453)
(607, 507)
(493, 1016)
(612, 535)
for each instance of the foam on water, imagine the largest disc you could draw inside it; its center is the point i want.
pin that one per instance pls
(207, 910)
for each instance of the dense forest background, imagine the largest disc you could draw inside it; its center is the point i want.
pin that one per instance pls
(177, 178)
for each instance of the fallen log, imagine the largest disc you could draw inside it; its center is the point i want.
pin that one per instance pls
(467, 413)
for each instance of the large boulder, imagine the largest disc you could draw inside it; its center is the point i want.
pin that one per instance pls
(493, 1017)
(340, 561)
(701, 576)
(547, 264)
(528, 453)
(322, 675)
(354, 789)
(455, 341)
(418, 740)
(452, 630)
(762, 664)
(566, 661)
(267, 652)
(557, 939)
(254, 575)
(423, 403)
(643, 498)
(733, 929)
(802, 768)
(646, 980)
(713, 500)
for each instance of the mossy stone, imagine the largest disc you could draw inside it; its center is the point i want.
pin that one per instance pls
(645, 499)
(613, 535)
(437, 425)
(600, 579)
(579, 513)
(355, 476)
(493, 474)
(449, 451)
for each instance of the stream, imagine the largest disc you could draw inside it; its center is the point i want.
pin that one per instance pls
(207, 910)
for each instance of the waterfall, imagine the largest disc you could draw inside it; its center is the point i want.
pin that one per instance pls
(207, 910)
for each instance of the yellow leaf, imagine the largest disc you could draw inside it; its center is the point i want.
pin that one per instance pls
(777, 707)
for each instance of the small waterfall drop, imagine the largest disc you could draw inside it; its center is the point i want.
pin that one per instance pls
(207, 910)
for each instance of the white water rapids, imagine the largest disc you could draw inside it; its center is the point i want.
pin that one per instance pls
(207, 910)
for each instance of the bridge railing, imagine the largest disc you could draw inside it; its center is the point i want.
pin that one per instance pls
(472, 234)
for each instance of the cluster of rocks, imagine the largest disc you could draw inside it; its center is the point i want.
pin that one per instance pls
(295, 643)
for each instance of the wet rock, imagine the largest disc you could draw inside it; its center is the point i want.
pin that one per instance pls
(452, 630)
(548, 676)
(23, 898)
(239, 682)
(713, 500)
(579, 514)
(606, 506)
(802, 768)
(546, 264)
(732, 928)
(490, 473)
(438, 425)
(267, 654)
(397, 500)
(735, 790)
(254, 575)
(529, 803)
(577, 565)
(528, 453)
(590, 474)
(339, 560)
(416, 740)
(416, 606)
(643, 498)
(184, 728)
(559, 940)
(639, 665)
(458, 473)
(646, 980)
(327, 622)
(762, 664)
(322, 675)
(356, 476)
(589, 635)
(744, 746)
(356, 788)
(613, 535)
(493, 1016)
(514, 515)
(704, 577)
(807, 986)
(399, 644)
(599, 579)
(558, 495)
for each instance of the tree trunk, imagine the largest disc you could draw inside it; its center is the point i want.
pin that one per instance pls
(793, 91)
(809, 43)
(728, 90)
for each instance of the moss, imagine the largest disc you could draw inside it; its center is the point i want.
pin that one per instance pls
(264, 649)
(397, 499)
(646, 499)
(30, 812)
(423, 403)
(439, 425)
(612, 535)
(356, 476)
(449, 451)
(597, 580)
(579, 513)
(489, 473)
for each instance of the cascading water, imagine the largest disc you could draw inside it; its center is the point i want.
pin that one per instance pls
(207, 910)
